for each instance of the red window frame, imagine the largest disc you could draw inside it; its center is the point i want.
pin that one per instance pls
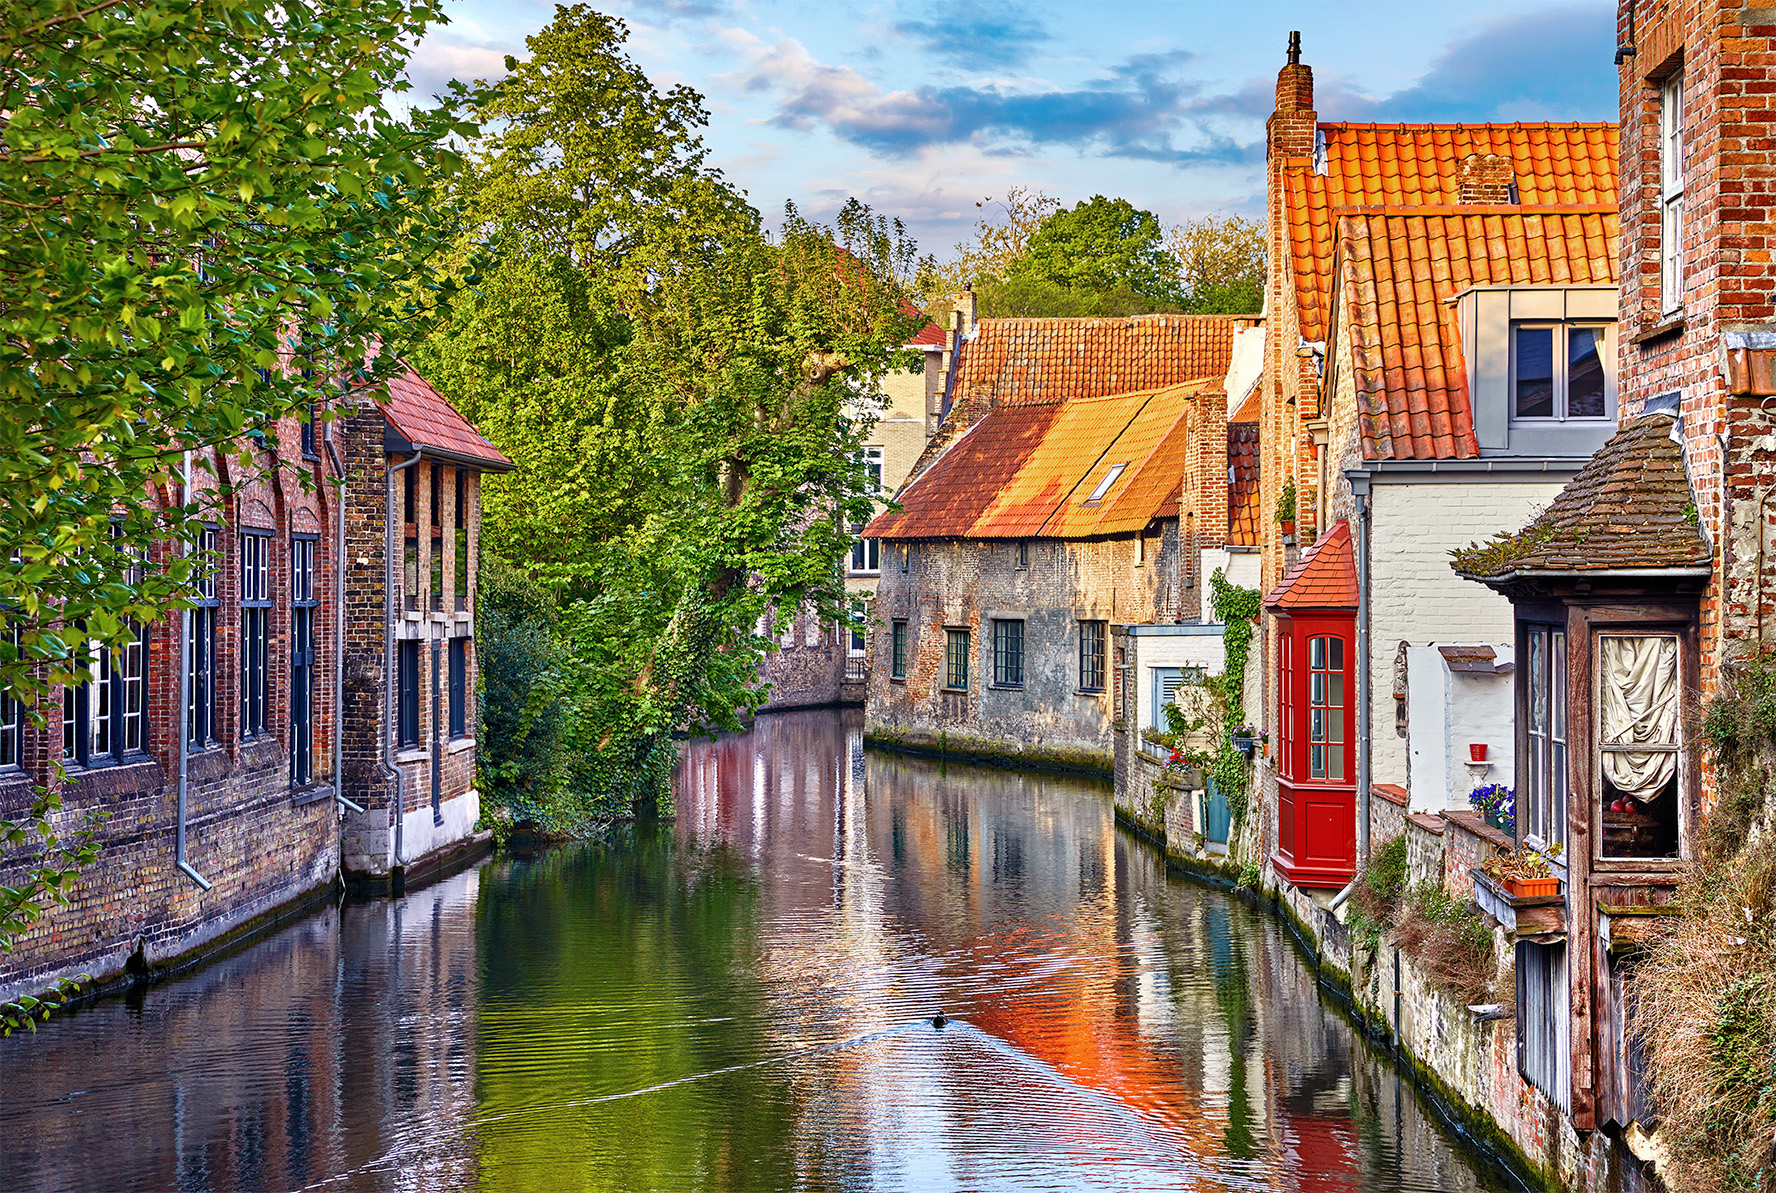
(1316, 830)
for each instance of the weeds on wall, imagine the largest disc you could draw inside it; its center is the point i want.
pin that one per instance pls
(1705, 992)
(1447, 938)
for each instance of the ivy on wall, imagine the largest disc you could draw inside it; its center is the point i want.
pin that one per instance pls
(1237, 608)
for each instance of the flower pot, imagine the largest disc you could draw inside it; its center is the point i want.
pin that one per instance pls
(1243, 745)
(1288, 526)
(1533, 888)
(1503, 821)
(1477, 752)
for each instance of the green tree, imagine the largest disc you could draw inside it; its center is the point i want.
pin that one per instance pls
(186, 186)
(684, 395)
(1220, 263)
(1102, 246)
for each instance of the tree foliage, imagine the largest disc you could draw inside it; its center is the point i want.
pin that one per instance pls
(1102, 245)
(683, 393)
(1220, 264)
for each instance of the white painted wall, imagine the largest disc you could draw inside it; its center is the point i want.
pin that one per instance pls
(1448, 712)
(1415, 596)
(1240, 567)
(1204, 650)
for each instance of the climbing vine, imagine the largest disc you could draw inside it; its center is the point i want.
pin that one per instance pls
(1237, 609)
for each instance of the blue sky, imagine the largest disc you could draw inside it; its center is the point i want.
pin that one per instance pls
(924, 109)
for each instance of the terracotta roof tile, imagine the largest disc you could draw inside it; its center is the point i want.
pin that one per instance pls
(1629, 507)
(420, 415)
(1397, 271)
(929, 336)
(1024, 361)
(1027, 470)
(1370, 165)
(1243, 528)
(1325, 577)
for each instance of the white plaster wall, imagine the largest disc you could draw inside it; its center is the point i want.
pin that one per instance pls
(1449, 711)
(1206, 651)
(1414, 595)
(1240, 567)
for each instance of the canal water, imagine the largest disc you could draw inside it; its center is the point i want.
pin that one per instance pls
(743, 1000)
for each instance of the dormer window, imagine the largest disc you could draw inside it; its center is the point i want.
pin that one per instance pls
(1561, 371)
(1097, 494)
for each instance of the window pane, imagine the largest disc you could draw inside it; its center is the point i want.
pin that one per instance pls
(1316, 761)
(1335, 682)
(1535, 372)
(1316, 654)
(1334, 654)
(1317, 689)
(1584, 373)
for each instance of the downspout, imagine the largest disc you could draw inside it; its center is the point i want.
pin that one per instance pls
(339, 627)
(180, 745)
(1360, 490)
(388, 649)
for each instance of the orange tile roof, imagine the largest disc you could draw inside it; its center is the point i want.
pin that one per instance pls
(1027, 470)
(1325, 577)
(1243, 526)
(1033, 361)
(1398, 268)
(420, 415)
(1420, 165)
(929, 336)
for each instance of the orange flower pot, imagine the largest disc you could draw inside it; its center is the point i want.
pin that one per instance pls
(1532, 888)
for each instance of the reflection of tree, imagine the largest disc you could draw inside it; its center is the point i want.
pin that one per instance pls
(1233, 994)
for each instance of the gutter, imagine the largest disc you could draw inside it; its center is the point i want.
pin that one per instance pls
(181, 745)
(1364, 741)
(386, 757)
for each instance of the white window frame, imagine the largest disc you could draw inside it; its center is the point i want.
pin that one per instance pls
(1103, 487)
(1671, 193)
(1606, 355)
(866, 554)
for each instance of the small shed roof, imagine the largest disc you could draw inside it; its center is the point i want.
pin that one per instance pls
(419, 418)
(1325, 577)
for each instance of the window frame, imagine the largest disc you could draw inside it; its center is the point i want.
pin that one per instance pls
(1671, 192)
(1106, 483)
(200, 664)
(1683, 777)
(459, 688)
(459, 533)
(1008, 653)
(407, 695)
(1544, 771)
(1094, 639)
(1561, 367)
(1294, 695)
(897, 644)
(957, 645)
(305, 615)
(866, 553)
(12, 710)
(101, 702)
(253, 573)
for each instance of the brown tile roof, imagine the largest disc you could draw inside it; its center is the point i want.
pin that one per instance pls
(1325, 577)
(1032, 361)
(1420, 165)
(1243, 525)
(1397, 269)
(1026, 471)
(1629, 507)
(421, 416)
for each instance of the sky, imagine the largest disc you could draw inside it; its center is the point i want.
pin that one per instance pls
(925, 110)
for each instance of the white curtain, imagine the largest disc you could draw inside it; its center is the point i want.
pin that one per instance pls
(1639, 700)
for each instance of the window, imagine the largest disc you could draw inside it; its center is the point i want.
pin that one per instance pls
(1325, 708)
(1544, 1019)
(437, 569)
(1023, 555)
(407, 694)
(898, 652)
(1103, 486)
(1542, 809)
(460, 530)
(255, 601)
(1637, 702)
(956, 659)
(104, 719)
(303, 611)
(1008, 653)
(200, 712)
(1091, 654)
(410, 545)
(906, 553)
(459, 687)
(1166, 682)
(307, 418)
(872, 463)
(12, 714)
(865, 553)
(1671, 193)
(1559, 371)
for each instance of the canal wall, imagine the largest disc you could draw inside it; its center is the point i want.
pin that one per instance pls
(1463, 1058)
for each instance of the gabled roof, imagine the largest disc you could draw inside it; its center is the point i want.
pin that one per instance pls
(419, 417)
(1629, 509)
(1420, 165)
(1325, 577)
(1398, 269)
(929, 336)
(1027, 471)
(1032, 361)
(1243, 525)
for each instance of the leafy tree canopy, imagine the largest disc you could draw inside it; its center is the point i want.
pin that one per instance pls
(1103, 245)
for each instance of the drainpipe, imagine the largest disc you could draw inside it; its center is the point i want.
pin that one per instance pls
(437, 763)
(388, 647)
(339, 627)
(185, 867)
(1360, 489)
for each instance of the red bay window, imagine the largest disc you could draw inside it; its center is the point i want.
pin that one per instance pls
(1314, 612)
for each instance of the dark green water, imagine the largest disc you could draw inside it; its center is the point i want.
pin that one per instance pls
(742, 1001)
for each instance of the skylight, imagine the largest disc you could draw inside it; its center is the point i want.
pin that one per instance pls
(1097, 494)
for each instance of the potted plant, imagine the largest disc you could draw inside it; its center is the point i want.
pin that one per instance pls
(1285, 513)
(1498, 804)
(1523, 872)
(1243, 738)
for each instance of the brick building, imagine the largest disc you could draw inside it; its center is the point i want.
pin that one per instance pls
(276, 687)
(1077, 477)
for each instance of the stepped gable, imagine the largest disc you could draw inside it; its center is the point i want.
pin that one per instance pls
(1399, 267)
(1629, 509)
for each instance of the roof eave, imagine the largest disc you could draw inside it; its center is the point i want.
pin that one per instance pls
(396, 443)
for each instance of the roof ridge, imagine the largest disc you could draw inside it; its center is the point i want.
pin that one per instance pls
(1433, 124)
(1444, 210)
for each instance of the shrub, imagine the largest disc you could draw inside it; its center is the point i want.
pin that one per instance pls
(1376, 897)
(1449, 940)
(519, 719)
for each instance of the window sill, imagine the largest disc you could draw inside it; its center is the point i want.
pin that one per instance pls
(1088, 691)
(1006, 687)
(954, 691)
(899, 679)
(313, 794)
(411, 754)
(459, 744)
(1668, 325)
(411, 615)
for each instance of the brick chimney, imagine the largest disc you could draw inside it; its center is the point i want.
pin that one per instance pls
(1291, 127)
(1487, 178)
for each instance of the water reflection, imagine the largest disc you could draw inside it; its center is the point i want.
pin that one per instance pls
(743, 1001)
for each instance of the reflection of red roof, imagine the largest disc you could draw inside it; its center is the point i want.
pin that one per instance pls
(420, 415)
(1029, 471)
(1242, 484)
(1325, 577)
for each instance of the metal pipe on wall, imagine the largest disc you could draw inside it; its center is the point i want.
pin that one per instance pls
(1363, 676)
